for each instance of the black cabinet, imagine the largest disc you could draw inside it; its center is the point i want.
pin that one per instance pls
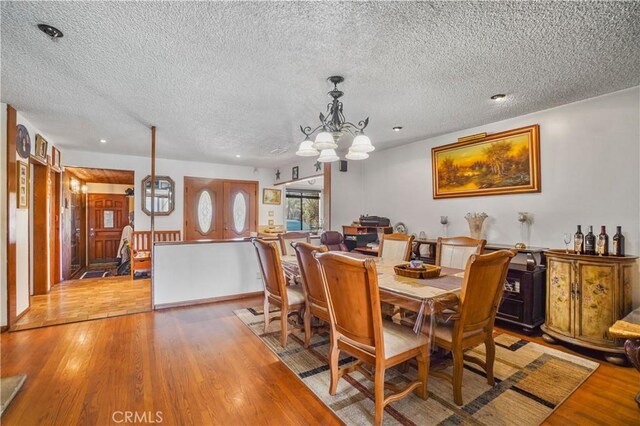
(524, 297)
(523, 302)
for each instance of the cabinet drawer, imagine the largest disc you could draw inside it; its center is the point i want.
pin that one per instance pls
(511, 309)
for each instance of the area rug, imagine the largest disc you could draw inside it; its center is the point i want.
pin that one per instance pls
(9, 387)
(531, 381)
(94, 274)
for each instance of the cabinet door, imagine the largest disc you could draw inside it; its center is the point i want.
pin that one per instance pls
(559, 315)
(595, 301)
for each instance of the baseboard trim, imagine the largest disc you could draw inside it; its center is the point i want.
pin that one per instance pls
(207, 300)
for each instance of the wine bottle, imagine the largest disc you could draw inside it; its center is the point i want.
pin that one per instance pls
(578, 241)
(603, 242)
(618, 242)
(590, 242)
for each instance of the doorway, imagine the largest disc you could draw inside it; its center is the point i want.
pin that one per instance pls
(304, 205)
(93, 207)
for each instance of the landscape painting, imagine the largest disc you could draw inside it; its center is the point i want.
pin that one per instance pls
(501, 163)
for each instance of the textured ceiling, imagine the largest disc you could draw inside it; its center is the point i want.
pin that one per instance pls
(220, 79)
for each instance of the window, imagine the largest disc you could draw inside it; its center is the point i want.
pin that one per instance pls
(303, 210)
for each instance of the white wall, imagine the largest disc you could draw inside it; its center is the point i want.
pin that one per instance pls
(590, 162)
(3, 214)
(107, 188)
(176, 170)
(347, 198)
(24, 275)
(191, 272)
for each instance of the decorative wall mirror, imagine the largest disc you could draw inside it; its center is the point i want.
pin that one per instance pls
(164, 195)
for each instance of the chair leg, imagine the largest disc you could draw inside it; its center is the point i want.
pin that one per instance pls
(307, 326)
(334, 355)
(378, 386)
(284, 321)
(267, 315)
(423, 373)
(458, 369)
(490, 349)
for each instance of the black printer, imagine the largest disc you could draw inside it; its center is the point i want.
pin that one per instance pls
(374, 221)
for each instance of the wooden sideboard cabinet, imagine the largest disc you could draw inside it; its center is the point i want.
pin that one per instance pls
(585, 296)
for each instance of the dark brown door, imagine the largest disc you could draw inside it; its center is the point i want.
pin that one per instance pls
(108, 214)
(240, 210)
(203, 209)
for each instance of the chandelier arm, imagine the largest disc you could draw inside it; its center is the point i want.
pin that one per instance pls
(307, 130)
(360, 126)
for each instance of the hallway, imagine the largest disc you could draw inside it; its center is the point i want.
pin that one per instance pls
(88, 299)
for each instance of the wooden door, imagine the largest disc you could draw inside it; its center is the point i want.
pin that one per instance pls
(595, 307)
(240, 210)
(203, 209)
(560, 300)
(108, 214)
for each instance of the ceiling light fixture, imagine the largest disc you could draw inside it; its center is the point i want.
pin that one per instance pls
(52, 32)
(397, 128)
(237, 155)
(332, 127)
(499, 97)
(103, 141)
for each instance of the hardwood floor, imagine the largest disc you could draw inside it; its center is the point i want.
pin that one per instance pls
(91, 298)
(201, 365)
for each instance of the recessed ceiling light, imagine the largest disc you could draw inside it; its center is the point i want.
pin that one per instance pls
(499, 97)
(52, 32)
(237, 155)
(397, 128)
(103, 141)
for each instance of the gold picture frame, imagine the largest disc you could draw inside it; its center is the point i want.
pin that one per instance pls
(55, 158)
(41, 148)
(502, 163)
(23, 184)
(271, 196)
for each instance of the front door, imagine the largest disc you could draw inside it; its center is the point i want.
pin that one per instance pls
(219, 209)
(202, 209)
(108, 214)
(240, 212)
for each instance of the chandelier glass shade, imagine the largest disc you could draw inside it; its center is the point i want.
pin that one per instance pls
(332, 127)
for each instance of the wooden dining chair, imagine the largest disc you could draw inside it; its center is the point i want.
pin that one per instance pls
(353, 299)
(314, 297)
(290, 298)
(396, 247)
(455, 251)
(472, 321)
(289, 238)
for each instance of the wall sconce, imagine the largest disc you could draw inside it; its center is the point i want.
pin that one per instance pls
(75, 186)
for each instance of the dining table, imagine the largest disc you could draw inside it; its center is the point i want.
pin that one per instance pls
(424, 297)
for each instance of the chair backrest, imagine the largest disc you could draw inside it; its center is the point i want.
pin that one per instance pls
(166, 236)
(351, 286)
(396, 247)
(271, 268)
(482, 290)
(310, 272)
(333, 240)
(455, 251)
(288, 238)
(140, 240)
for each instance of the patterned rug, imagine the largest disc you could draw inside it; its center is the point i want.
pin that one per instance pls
(531, 381)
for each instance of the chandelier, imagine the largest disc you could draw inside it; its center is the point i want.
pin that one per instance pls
(332, 127)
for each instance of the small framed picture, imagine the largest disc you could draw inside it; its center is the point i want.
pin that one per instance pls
(41, 148)
(23, 185)
(294, 173)
(271, 196)
(55, 157)
(271, 222)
